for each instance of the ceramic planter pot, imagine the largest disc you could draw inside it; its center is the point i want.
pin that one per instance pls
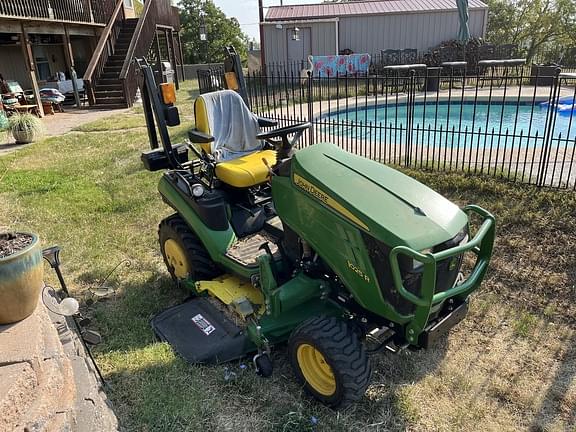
(21, 280)
(23, 136)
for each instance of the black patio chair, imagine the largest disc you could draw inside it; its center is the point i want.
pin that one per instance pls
(409, 56)
(391, 57)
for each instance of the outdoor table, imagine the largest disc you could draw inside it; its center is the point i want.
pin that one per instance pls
(495, 63)
(404, 69)
(26, 109)
(455, 65)
(567, 76)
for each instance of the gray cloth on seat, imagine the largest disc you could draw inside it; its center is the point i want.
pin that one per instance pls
(233, 126)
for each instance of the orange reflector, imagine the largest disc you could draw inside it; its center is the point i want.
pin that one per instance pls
(231, 81)
(168, 91)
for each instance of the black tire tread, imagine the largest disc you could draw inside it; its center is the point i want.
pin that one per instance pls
(343, 350)
(202, 266)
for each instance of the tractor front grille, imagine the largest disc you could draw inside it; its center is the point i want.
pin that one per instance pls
(446, 271)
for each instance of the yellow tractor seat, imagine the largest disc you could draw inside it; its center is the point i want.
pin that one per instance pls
(224, 117)
(246, 171)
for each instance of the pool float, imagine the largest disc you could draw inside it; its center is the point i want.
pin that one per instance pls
(564, 105)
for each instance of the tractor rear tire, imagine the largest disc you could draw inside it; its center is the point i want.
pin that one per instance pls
(183, 252)
(329, 359)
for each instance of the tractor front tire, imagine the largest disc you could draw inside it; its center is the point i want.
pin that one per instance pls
(329, 359)
(184, 254)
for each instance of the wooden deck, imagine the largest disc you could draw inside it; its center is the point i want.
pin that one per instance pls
(94, 12)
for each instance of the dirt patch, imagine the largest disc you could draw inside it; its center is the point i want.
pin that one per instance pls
(10, 243)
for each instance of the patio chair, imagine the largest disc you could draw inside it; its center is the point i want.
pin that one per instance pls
(391, 57)
(409, 56)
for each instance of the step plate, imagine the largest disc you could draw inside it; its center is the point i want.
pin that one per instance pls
(200, 333)
(247, 250)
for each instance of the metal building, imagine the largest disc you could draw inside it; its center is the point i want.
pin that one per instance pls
(292, 32)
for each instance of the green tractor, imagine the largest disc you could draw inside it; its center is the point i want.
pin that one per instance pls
(338, 256)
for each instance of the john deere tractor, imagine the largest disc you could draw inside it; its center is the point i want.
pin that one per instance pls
(333, 254)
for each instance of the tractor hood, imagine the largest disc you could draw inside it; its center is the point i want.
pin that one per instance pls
(390, 206)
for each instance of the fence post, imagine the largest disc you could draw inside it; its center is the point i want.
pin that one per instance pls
(549, 129)
(410, 97)
(310, 107)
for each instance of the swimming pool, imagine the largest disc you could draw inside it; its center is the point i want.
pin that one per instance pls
(452, 124)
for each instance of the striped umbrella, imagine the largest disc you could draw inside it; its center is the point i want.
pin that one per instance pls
(464, 32)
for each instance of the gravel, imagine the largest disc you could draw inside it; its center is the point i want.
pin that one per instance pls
(10, 243)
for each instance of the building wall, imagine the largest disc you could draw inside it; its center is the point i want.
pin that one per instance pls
(416, 30)
(322, 41)
(13, 65)
(372, 33)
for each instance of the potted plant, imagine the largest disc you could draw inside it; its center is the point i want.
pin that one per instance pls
(25, 128)
(21, 275)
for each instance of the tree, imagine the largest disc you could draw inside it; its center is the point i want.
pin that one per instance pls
(220, 31)
(533, 25)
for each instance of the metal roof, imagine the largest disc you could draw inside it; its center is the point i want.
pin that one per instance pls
(382, 7)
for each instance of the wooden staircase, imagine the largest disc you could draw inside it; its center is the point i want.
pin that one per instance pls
(111, 79)
(108, 90)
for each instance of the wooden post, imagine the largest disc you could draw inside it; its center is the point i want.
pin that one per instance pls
(261, 30)
(170, 39)
(159, 57)
(31, 66)
(181, 56)
(69, 58)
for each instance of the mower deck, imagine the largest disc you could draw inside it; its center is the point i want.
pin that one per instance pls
(201, 333)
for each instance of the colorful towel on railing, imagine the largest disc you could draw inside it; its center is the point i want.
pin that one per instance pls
(339, 65)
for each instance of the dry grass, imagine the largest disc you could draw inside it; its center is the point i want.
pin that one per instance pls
(510, 366)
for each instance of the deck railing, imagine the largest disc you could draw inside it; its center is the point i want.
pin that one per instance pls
(156, 13)
(104, 49)
(74, 11)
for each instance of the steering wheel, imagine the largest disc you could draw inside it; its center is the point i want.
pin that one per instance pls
(284, 145)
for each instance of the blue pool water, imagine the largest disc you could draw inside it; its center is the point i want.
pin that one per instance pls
(452, 124)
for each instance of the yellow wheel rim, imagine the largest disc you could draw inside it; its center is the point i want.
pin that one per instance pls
(176, 257)
(316, 370)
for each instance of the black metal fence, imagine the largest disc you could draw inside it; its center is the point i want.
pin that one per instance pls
(518, 124)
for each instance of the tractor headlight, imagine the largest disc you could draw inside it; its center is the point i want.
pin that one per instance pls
(197, 190)
(416, 265)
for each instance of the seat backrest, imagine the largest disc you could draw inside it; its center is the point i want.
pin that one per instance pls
(225, 116)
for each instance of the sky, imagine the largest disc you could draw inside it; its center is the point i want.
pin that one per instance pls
(246, 12)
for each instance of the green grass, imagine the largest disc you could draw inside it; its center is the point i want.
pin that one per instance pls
(500, 369)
